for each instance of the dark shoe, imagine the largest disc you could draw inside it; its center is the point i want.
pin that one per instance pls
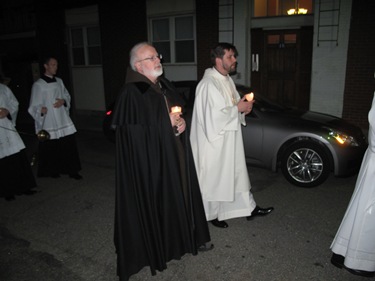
(259, 212)
(10, 198)
(75, 176)
(206, 247)
(55, 176)
(337, 260)
(217, 223)
(360, 272)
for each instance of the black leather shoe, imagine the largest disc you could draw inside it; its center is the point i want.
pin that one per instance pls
(360, 272)
(337, 260)
(221, 224)
(259, 212)
(206, 247)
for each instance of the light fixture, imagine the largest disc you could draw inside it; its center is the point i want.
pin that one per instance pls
(295, 12)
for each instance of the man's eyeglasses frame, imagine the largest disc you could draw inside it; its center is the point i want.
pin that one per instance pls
(154, 58)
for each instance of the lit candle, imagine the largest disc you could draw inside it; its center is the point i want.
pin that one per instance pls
(249, 97)
(176, 109)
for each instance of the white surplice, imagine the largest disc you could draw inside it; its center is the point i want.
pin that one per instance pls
(355, 239)
(10, 140)
(57, 121)
(217, 145)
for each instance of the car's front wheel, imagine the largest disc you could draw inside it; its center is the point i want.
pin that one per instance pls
(305, 164)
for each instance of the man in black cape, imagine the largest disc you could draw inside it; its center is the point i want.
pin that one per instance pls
(159, 213)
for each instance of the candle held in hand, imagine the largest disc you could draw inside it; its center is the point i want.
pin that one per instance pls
(249, 97)
(176, 109)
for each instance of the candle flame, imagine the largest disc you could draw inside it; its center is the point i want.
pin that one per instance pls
(250, 96)
(176, 109)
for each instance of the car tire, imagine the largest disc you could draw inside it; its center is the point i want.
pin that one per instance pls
(305, 164)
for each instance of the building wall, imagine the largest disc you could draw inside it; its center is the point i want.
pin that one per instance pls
(343, 75)
(330, 58)
(207, 33)
(242, 19)
(122, 25)
(87, 81)
(360, 82)
(51, 37)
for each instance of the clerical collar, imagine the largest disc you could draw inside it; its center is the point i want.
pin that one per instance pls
(48, 79)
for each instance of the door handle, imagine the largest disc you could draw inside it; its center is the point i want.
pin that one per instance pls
(255, 62)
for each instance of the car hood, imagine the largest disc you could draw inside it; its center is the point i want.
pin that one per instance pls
(321, 118)
(312, 118)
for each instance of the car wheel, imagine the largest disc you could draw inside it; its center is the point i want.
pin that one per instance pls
(305, 164)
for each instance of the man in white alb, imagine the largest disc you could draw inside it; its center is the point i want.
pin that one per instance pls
(217, 144)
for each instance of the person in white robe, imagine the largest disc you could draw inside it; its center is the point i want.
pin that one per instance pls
(354, 244)
(49, 106)
(217, 143)
(16, 174)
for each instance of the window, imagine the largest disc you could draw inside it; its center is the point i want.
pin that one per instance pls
(174, 38)
(85, 46)
(274, 8)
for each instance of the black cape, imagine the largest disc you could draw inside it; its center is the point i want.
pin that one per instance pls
(159, 214)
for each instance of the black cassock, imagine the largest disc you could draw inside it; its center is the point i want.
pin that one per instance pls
(159, 213)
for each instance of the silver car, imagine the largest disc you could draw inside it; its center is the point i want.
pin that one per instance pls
(305, 145)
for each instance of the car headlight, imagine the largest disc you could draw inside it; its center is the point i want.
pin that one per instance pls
(343, 138)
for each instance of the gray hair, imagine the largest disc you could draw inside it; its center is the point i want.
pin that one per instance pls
(134, 53)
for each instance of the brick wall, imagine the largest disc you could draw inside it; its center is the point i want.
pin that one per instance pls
(360, 82)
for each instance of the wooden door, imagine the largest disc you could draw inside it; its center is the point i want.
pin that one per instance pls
(284, 71)
(281, 67)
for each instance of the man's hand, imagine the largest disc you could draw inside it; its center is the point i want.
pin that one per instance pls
(3, 112)
(177, 121)
(43, 110)
(59, 103)
(245, 106)
(181, 125)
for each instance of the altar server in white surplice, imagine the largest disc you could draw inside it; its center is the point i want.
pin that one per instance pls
(354, 245)
(49, 106)
(217, 144)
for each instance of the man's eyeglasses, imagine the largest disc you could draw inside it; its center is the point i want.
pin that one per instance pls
(154, 58)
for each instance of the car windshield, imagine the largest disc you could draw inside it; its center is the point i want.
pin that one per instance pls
(261, 102)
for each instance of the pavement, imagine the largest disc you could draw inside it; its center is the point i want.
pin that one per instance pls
(64, 232)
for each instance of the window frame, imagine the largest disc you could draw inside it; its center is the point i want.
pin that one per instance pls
(85, 46)
(172, 37)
